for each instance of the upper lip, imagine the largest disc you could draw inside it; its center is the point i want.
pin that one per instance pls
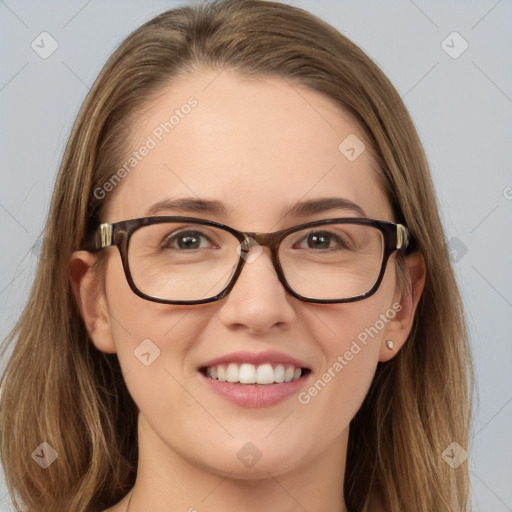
(255, 358)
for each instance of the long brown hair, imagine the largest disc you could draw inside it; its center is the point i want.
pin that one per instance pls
(58, 388)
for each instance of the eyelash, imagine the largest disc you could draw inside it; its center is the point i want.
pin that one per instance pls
(175, 237)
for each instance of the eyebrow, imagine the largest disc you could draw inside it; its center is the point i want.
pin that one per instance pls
(214, 207)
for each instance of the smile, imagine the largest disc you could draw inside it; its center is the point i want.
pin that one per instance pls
(247, 373)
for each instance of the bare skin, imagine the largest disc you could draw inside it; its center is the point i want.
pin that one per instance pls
(256, 145)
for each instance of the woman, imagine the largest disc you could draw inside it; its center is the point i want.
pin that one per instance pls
(245, 300)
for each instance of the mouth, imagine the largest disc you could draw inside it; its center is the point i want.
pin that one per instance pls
(246, 373)
(255, 379)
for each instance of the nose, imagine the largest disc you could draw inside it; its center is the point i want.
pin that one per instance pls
(258, 300)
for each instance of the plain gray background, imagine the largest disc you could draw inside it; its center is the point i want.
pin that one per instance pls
(461, 103)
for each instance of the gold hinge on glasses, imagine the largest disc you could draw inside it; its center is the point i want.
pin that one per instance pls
(106, 235)
(402, 236)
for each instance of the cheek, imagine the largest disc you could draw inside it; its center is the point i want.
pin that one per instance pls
(151, 339)
(132, 319)
(351, 338)
(152, 342)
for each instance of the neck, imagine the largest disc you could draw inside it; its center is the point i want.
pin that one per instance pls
(173, 483)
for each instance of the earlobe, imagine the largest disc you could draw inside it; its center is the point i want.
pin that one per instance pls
(91, 300)
(400, 327)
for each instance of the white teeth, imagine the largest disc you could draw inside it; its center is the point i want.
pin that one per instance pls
(279, 373)
(247, 373)
(221, 373)
(265, 374)
(232, 373)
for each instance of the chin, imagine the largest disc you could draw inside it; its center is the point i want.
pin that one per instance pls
(249, 461)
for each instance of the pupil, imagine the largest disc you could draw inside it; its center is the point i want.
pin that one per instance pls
(319, 241)
(188, 242)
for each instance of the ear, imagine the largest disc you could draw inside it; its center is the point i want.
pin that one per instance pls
(405, 304)
(89, 292)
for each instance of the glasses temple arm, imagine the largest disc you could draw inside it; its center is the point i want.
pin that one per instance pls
(102, 237)
(402, 237)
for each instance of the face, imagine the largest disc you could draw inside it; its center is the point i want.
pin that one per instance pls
(258, 146)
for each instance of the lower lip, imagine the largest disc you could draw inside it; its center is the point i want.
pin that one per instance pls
(255, 395)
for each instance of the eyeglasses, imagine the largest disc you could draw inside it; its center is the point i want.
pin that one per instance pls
(185, 260)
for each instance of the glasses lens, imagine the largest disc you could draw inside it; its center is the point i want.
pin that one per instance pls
(188, 261)
(332, 261)
(182, 261)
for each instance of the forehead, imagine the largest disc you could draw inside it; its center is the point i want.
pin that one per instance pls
(256, 144)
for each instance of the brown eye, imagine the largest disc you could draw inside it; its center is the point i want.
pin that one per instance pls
(189, 239)
(324, 240)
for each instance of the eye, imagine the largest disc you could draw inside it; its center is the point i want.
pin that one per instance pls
(325, 240)
(186, 239)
